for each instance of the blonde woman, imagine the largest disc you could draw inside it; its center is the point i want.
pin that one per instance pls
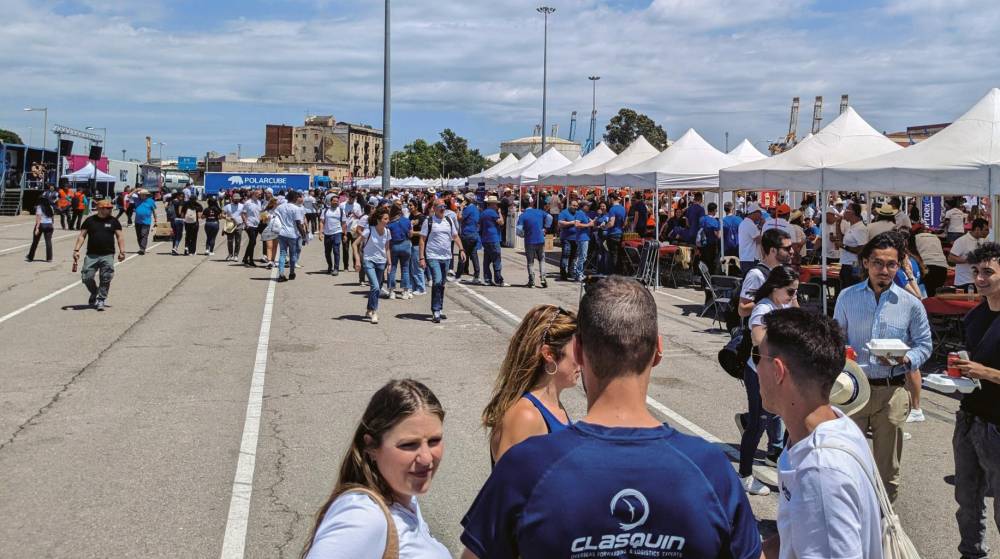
(539, 365)
(396, 450)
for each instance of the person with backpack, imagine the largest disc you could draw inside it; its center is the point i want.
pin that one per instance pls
(439, 231)
(191, 211)
(43, 228)
(830, 507)
(778, 292)
(401, 249)
(175, 215)
(211, 214)
(418, 281)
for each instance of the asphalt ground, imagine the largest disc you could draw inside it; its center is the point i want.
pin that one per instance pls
(121, 432)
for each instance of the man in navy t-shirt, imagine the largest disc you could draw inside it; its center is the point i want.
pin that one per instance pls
(618, 483)
(567, 236)
(613, 240)
(532, 225)
(490, 224)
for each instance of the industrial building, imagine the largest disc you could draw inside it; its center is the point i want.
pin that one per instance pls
(339, 150)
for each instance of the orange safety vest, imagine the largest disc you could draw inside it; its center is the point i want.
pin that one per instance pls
(78, 200)
(63, 201)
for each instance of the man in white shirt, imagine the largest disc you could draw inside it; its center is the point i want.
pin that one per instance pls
(352, 213)
(885, 221)
(251, 220)
(850, 247)
(832, 234)
(234, 212)
(959, 254)
(902, 220)
(780, 221)
(748, 235)
(827, 505)
(293, 230)
(954, 220)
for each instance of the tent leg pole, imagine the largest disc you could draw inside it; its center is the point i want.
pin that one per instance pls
(656, 235)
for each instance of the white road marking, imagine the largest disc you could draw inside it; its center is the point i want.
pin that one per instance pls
(19, 247)
(58, 292)
(490, 303)
(32, 222)
(234, 542)
(658, 292)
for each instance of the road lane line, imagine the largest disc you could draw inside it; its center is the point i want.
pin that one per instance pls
(19, 247)
(658, 292)
(32, 222)
(58, 292)
(490, 304)
(234, 542)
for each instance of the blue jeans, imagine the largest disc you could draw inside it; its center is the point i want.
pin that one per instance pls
(565, 267)
(178, 228)
(439, 273)
(581, 257)
(289, 247)
(759, 420)
(469, 245)
(492, 263)
(416, 273)
(375, 271)
(400, 253)
(331, 248)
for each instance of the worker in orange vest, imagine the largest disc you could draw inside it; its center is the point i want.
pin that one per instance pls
(63, 204)
(79, 205)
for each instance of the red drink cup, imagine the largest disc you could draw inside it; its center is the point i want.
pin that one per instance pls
(953, 371)
(850, 354)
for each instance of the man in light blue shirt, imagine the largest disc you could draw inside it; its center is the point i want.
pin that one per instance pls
(879, 309)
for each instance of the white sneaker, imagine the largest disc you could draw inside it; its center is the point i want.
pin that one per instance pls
(754, 487)
(407, 294)
(907, 436)
(392, 294)
(418, 293)
(368, 314)
(916, 416)
(374, 318)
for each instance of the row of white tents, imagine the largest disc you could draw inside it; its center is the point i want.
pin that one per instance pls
(847, 154)
(412, 183)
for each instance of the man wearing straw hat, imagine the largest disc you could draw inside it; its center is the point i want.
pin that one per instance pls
(827, 507)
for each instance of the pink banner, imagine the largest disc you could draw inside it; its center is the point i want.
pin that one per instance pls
(77, 162)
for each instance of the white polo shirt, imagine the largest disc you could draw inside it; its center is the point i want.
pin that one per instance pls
(962, 247)
(956, 220)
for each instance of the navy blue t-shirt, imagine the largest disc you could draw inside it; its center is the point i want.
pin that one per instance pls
(533, 221)
(618, 213)
(489, 230)
(470, 221)
(593, 491)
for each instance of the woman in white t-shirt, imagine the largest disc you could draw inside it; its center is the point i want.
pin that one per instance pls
(439, 231)
(374, 250)
(394, 454)
(779, 291)
(43, 228)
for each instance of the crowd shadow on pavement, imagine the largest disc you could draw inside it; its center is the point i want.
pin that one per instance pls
(354, 317)
(82, 307)
(414, 316)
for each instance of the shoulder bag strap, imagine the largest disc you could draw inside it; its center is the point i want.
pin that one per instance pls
(391, 536)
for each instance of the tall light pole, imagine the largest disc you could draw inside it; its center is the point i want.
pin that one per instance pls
(545, 11)
(727, 142)
(386, 109)
(592, 139)
(45, 123)
(123, 156)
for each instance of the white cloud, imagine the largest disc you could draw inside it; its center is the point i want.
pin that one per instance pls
(716, 65)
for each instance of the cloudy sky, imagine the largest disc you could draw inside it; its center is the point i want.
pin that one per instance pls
(208, 75)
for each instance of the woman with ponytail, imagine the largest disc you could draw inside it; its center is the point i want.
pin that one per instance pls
(539, 365)
(396, 450)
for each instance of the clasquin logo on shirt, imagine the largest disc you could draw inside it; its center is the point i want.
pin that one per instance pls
(631, 509)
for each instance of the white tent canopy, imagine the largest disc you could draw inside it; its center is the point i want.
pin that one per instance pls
(87, 173)
(745, 152)
(548, 162)
(521, 165)
(962, 159)
(640, 150)
(690, 163)
(597, 156)
(504, 165)
(847, 138)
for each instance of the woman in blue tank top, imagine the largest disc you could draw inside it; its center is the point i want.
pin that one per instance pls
(539, 365)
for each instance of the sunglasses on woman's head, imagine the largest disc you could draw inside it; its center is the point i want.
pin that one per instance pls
(545, 334)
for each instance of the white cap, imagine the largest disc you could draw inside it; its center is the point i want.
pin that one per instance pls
(753, 207)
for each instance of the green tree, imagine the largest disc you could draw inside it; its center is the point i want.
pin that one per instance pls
(627, 125)
(8, 137)
(450, 157)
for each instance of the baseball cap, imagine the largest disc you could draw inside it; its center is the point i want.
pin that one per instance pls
(753, 207)
(105, 203)
(783, 209)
